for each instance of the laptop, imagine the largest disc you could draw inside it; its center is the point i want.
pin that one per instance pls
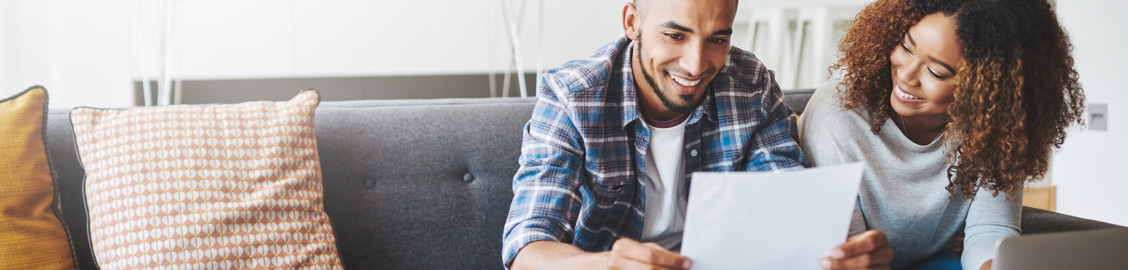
(1095, 249)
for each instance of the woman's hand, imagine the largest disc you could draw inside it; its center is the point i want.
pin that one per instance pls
(868, 250)
(986, 265)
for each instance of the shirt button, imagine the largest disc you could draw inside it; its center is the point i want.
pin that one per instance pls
(693, 152)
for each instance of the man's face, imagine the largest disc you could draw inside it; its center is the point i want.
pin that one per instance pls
(680, 45)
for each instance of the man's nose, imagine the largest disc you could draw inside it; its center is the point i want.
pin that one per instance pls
(693, 59)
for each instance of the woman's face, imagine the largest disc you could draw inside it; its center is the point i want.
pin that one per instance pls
(924, 68)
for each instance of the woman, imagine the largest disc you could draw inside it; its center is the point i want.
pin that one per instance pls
(953, 105)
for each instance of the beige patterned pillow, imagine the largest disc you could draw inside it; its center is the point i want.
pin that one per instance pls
(226, 186)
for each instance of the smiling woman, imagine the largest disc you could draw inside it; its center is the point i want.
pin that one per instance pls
(1007, 63)
(979, 92)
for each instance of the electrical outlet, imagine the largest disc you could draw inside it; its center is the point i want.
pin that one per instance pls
(1098, 116)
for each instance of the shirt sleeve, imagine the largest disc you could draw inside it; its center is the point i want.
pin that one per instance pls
(990, 219)
(774, 145)
(546, 198)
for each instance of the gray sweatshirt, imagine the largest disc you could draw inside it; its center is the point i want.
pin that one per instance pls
(902, 192)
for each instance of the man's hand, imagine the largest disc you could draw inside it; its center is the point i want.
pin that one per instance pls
(630, 254)
(868, 250)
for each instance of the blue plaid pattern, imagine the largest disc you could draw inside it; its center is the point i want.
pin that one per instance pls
(582, 155)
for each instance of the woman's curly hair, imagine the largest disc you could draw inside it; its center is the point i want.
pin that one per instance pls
(1016, 92)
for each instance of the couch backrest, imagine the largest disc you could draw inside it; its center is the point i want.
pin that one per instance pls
(409, 184)
(797, 99)
(420, 184)
(414, 184)
(68, 179)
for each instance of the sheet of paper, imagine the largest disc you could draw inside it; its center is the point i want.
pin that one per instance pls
(788, 220)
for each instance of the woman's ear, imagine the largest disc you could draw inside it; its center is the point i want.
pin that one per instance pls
(630, 21)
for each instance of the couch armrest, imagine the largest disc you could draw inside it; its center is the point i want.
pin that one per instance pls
(1036, 221)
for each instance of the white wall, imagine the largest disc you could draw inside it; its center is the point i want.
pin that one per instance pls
(265, 38)
(87, 53)
(1086, 171)
(67, 48)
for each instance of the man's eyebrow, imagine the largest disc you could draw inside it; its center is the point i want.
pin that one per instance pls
(676, 26)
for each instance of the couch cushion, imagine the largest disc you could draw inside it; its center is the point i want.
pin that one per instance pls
(420, 184)
(31, 233)
(225, 186)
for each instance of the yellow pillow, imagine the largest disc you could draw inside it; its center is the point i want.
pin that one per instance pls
(32, 235)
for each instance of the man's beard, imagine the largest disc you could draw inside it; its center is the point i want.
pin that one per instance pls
(680, 110)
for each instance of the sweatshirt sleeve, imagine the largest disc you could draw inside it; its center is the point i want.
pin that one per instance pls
(990, 219)
(821, 136)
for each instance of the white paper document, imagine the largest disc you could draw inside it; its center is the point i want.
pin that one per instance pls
(787, 220)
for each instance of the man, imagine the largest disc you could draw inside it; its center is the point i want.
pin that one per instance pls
(613, 140)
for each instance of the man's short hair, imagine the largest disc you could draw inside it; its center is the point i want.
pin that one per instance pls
(641, 6)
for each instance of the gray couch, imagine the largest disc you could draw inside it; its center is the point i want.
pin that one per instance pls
(413, 184)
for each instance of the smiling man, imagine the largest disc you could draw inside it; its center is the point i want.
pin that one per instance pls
(613, 140)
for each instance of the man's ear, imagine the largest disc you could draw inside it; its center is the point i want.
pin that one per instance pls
(630, 21)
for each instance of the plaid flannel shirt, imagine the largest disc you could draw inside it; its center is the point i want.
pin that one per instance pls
(582, 155)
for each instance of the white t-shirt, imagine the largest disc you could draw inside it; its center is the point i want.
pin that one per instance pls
(664, 219)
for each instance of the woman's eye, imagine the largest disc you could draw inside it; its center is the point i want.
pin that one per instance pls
(906, 47)
(934, 74)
